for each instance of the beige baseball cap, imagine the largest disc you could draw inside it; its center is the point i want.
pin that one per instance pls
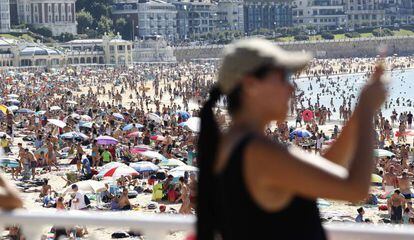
(246, 56)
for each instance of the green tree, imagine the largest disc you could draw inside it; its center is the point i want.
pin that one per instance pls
(105, 25)
(124, 28)
(85, 20)
(65, 37)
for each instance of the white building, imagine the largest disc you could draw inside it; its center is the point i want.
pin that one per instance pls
(57, 15)
(322, 14)
(148, 17)
(152, 49)
(4, 16)
(108, 50)
(230, 15)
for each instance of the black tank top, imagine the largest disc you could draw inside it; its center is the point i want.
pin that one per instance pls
(237, 216)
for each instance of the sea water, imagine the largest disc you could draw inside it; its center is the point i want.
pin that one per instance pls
(401, 86)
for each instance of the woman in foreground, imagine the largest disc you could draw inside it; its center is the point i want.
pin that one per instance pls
(252, 188)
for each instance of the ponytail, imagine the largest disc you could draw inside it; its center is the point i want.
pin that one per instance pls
(208, 143)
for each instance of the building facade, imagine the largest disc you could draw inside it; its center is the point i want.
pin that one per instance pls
(152, 49)
(266, 15)
(195, 17)
(321, 14)
(365, 13)
(57, 15)
(18, 53)
(148, 17)
(108, 50)
(230, 15)
(4, 16)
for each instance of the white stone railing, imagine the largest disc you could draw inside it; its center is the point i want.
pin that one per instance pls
(157, 226)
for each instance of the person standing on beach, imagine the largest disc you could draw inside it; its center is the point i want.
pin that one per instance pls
(255, 77)
(396, 204)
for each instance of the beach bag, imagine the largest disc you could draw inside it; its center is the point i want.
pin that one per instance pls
(87, 200)
(383, 207)
(120, 235)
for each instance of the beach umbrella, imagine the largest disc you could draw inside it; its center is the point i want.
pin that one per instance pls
(116, 172)
(88, 186)
(118, 116)
(376, 179)
(106, 140)
(86, 124)
(185, 168)
(157, 138)
(85, 118)
(148, 153)
(40, 112)
(144, 166)
(154, 117)
(131, 126)
(25, 111)
(13, 108)
(55, 108)
(74, 135)
(300, 133)
(307, 115)
(182, 124)
(43, 149)
(2, 134)
(171, 163)
(71, 102)
(112, 165)
(13, 96)
(3, 108)
(406, 133)
(13, 101)
(193, 124)
(183, 114)
(57, 123)
(9, 162)
(134, 134)
(383, 153)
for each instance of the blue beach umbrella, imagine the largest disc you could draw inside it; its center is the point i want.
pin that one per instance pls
(300, 133)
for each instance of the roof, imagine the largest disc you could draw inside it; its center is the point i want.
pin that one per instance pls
(115, 40)
(7, 41)
(83, 41)
(38, 50)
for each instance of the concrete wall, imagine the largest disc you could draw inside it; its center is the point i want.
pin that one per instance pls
(362, 47)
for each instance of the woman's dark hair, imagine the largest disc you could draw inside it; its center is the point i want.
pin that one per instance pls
(208, 143)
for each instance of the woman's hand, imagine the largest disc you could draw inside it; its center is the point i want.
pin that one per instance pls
(374, 93)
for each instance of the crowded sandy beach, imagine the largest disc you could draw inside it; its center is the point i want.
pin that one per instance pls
(124, 139)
